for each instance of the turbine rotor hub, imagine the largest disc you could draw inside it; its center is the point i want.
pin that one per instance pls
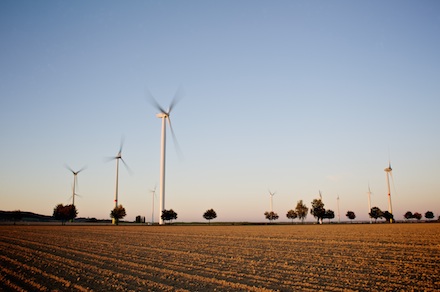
(162, 115)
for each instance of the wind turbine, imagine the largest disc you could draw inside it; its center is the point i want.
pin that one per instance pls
(339, 214)
(165, 116)
(271, 200)
(389, 173)
(117, 158)
(369, 203)
(75, 181)
(153, 192)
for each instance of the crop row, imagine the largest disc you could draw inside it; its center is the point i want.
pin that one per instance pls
(224, 258)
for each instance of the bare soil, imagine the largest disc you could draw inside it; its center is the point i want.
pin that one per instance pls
(332, 257)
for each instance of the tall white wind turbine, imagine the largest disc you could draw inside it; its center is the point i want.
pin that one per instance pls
(165, 116)
(389, 173)
(75, 182)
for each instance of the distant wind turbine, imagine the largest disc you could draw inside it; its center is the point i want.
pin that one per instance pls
(75, 181)
(165, 116)
(153, 193)
(369, 203)
(117, 158)
(271, 200)
(339, 214)
(389, 172)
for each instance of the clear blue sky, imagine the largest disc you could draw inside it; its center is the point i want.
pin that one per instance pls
(291, 96)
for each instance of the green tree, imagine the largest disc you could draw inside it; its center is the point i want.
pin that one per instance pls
(429, 215)
(376, 213)
(318, 210)
(64, 213)
(388, 217)
(408, 215)
(209, 215)
(271, 216)
(350, 215)
(291, 214)
(329, 214)
(417, 216)
(118, 213)
(168, 215)
(301, 210)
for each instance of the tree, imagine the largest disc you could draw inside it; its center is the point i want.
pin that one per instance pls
(168, 215)
(64, 213)
(350, 215)
(291, 214)
(301, 210)
(376, 213)
(318, 210)
(329, 214)
(118, 213)
(408, 215)
(271, 216)
(209, 215)
(388, 216)
(429, 215)
(417, 216)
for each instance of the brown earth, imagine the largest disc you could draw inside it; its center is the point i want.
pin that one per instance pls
(332, 257)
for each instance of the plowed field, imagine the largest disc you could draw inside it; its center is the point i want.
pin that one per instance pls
(332, 257)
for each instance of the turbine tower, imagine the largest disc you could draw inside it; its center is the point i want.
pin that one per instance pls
(369, 203)
(271, 200)
(153, 193)
(117, 158)
(339, 214)
(389, 173)
(75, 182)
(165, 116)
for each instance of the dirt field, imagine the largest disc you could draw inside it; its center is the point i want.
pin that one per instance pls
(332, 257)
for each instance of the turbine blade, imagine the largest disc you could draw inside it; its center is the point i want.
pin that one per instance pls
(69, 168)
(392, 179)
(177, 97)
(127, 167)
(76, 186)
(110, 158)
(153, 101)
(83, 168)
(176, 143)
(122, 144)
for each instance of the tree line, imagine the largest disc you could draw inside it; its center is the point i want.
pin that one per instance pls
(69, 213)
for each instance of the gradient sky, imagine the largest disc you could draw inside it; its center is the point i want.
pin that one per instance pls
(291, 96)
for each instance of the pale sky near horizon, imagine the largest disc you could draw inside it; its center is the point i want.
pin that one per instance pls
(288, 96)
